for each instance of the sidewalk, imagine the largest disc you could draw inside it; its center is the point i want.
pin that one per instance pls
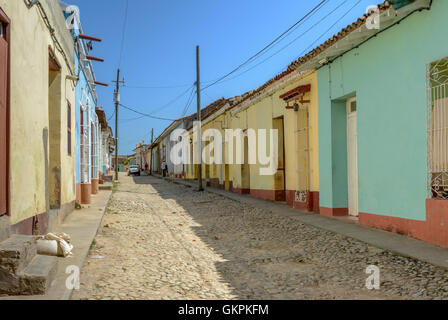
(393, 242)
(82, 225)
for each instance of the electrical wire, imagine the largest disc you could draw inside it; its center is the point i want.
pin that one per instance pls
(124, 33)
(145, 114)
(189, 102)
(172, 101)
(268, 46)
(132, 119)
(331, 27)
(158, 87)
(291, 42)
(52, 31)
(110, 118)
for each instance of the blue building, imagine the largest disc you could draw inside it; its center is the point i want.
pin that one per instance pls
(89, 138)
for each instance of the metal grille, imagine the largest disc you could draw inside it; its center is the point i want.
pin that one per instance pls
(94, 152)
(437, 115)
(85, 145)
(302, 153)
(85, 154)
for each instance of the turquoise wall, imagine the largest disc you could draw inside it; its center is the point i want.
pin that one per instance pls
(388, 76)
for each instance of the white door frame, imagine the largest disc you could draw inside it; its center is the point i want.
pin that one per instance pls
(352, 158)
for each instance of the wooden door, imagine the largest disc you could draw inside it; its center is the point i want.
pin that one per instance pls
(4, 121)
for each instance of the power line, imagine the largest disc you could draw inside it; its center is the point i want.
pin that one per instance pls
(158, 87)
(132, 119)
(145, 114)
(331, 27)
(110, 118)
(294, 40)
(172, 101)
(124, 33)
(189, 102)
(269, 45)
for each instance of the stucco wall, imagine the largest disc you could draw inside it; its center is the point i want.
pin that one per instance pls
(260, 115)
(387, 74)
(29, 143)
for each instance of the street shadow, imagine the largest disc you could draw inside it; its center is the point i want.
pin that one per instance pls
(257, 260)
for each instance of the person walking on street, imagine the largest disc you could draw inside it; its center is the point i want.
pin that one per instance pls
(164, 168)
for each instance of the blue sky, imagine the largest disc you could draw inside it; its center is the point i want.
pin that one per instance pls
(160, 48)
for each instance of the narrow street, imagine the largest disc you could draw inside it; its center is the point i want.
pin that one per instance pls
(166, 241)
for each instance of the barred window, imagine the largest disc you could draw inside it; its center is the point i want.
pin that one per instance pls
(437, 109)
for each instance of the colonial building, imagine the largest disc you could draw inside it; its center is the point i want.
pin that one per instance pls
(88, 130)
(107, 147)
(287, 104)
(384, 118)
(36, 53)
(37, 150)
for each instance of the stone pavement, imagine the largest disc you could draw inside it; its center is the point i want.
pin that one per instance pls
(166, 241)
(394, 242)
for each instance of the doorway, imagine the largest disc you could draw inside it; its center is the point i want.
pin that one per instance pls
(54, 136)
(245, 167)
(4, 111)
(280, 176)
(352, 157)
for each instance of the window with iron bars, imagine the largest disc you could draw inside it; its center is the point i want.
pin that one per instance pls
(437, 116)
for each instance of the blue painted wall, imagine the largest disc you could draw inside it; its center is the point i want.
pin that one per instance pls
(83, 94)
(388, 76)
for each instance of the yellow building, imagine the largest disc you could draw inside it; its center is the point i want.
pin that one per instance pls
(39, 161)
(287, 103)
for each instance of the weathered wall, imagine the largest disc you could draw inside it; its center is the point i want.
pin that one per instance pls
(29, 141)
(260, 115)
(388, 76)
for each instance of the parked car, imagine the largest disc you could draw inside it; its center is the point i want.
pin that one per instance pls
(134, 170)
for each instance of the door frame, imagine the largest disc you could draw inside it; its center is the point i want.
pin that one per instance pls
(283, 141)
(349, 114)
(7, 22)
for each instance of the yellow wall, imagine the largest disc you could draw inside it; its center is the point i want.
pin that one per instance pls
(29, 89)
(260, 115)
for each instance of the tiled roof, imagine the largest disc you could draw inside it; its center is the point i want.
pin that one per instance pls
(383, 7)
(205, 112)
(386, 5)
(236, 101)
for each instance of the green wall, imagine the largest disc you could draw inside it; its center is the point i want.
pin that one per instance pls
(388, 76)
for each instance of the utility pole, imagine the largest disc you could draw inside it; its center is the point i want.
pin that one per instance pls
(117, 102)
(198, 92)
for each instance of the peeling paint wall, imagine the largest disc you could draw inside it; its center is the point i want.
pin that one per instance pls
(29, 140)
(260, 115)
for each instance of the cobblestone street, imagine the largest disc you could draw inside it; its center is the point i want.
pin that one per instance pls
(166, 241)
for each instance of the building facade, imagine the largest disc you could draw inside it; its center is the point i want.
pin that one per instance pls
(88, 130)
(287, 104)
(38, 190)
(384, 137)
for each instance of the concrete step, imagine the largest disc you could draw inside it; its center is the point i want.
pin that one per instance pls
(17, 252)
(106, 186)
(22, 271)
(38, 275)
